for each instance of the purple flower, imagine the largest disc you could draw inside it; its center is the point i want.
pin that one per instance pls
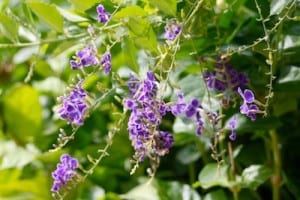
(247, 95)
(172, 29)
(179, 106)
(84, 58)
(64, 172)
(106, 62)
(146, 115)
(225, 78)
(232, 125)
(163, 142)
(73, 105)
(103, 15)
(248, 107)
(191, 108)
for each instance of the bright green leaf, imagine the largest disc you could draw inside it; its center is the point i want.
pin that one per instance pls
(142, 34)
(23, 112)
(167, 6)
(48, 14)
(213, 175)
(70, 16)
(130, 11)
(83, 5)
(255, 175)
(9, 27)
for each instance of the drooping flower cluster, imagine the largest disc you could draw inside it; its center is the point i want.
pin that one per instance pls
(106, 62)
(103, 15)
(232, 125)
(146, 116)
(225, 78)
(249, 108)
(65, 171)
(84, 58)
(191, 111)
(73, 105)
(172, 29)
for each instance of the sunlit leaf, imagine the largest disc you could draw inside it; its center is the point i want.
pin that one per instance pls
(70, 16)
(277, 6)
(9, 27)
(48, 14)
(142, 34)
(254, 175)
(213, 175)
(130, 11)
(23, 112)
(167, 6)
(83, 5)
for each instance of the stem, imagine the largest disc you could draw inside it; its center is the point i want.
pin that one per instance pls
(276, 179)
(192, 174)
(234, 189)
(37, 43)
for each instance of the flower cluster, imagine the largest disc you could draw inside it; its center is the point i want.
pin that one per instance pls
(232, 125)
(224, 77)
(172, 29)
(73, 106)
(84, 58)
(106, 62)
(248, 107)
(103, 15)
(65, 171)
(191, 111)
(146, 116)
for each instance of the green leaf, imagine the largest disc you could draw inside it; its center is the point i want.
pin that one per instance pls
(216, 194)
(213, 175)
(161, 190)
(130, 11)
(48, 14)
(277, 6)
(70, 16)
(244, 124)
(188, 154)
(23, 112)
(284, 103)
(167, 6)
(142, 192)
(255, 175)
(9, 27)
(83, 5)
(142, 34)
(14, 156)
(289, 80)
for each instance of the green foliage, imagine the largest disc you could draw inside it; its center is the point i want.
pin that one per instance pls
(54, 21)
(21, 106)
(259, 38)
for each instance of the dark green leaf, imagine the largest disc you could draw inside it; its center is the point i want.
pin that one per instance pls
(48, 14)
(188, 154)
(216, 194)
